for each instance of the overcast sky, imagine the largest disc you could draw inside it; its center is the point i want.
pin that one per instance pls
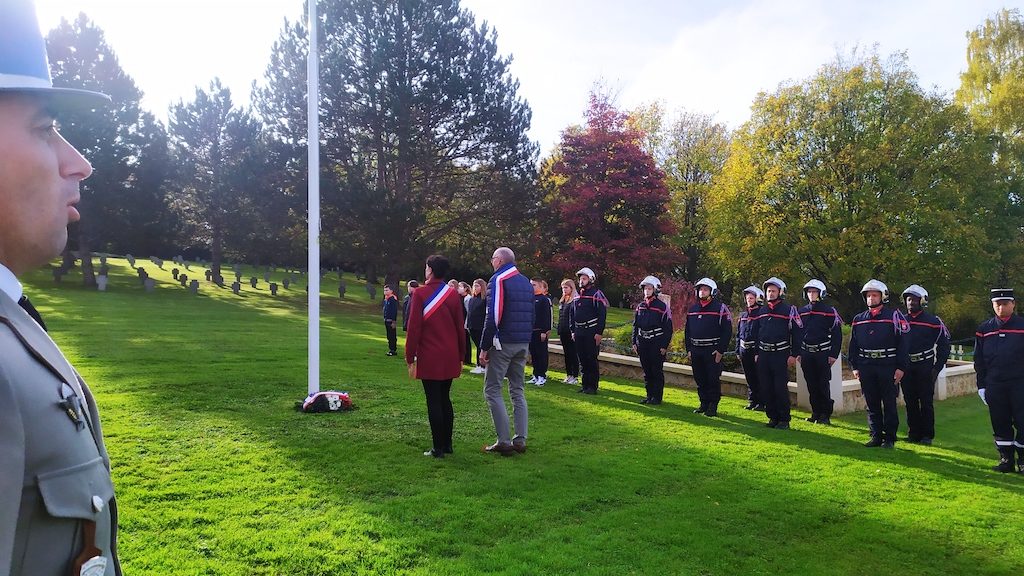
(705, 56)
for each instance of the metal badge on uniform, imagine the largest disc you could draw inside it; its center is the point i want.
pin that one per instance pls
(72, 406)
(95, 566)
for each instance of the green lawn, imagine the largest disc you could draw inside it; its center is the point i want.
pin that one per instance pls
(217, 474)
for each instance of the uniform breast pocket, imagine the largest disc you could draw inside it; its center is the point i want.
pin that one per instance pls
(71, 495)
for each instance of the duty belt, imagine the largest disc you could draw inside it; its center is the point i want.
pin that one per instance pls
(704, 342)
(648, 334)
(820, 347)
(592, 323)
(747, 344)
(922, 356)
(774, 346)
(881, 353)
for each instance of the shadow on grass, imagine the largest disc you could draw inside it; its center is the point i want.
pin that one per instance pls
(607, 486)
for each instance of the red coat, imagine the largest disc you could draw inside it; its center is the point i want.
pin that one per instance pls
(438, 343)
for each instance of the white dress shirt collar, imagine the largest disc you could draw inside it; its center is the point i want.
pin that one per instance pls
(9, 284)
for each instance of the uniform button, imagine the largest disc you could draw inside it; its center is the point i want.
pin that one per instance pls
(97, 504)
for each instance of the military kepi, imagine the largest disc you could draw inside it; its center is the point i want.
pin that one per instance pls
(24, 67)
(1002, 294)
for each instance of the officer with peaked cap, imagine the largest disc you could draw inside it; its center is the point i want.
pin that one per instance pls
(822, 344)
(777, 331)
(998, 350)
(708, 334)
(878, 356)
(58, 515)
(928, 350)
(652, 333)
(745, 346)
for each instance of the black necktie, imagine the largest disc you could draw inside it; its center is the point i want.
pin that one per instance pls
(28, 307)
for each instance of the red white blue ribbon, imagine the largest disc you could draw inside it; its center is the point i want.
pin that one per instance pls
(433, 304)
(499, 296)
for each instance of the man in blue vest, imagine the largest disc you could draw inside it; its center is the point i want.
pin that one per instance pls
(998, 350)
(928, 350)
(508, 327)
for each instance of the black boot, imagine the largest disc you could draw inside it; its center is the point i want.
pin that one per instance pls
(750, 406)
(875, 442)
(1005, 460)
(812, 418)
(700, 409)
(826, 420)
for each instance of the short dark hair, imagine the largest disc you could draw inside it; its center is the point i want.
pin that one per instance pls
(439, 265)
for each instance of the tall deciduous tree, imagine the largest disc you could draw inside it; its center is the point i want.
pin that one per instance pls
(992, 90)
(424, 134)
(691, 149)
(608, 201)
(122, 203)
(216, 149)
(856, 173)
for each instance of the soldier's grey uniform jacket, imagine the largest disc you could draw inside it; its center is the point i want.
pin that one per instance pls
(54, 470)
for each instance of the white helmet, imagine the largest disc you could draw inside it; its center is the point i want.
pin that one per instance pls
(877, 286)
(587, 272)
(777, 282)
(652, 281)
(757, 292)
(706, 282)
(916, 290)
(815, 284)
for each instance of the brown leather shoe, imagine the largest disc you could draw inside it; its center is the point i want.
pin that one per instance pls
(498, 448)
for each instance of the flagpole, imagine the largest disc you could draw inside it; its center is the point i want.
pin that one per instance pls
(313, 145)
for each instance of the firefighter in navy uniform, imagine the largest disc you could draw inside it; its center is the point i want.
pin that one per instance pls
(879, 358)
(998, 354)
(928, 350)
(822, 344)
(652, 333)
(746, 349)
(587, 319)
(708, 335)
(777, 331)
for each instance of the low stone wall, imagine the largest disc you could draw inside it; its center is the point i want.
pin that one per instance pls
(957, 379)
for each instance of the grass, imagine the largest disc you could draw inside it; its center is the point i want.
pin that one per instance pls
(217, 474)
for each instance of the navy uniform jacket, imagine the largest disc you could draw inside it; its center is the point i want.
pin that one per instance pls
(590, 311)
(708, 327)
(878, 339)
(744, 339)
(822, 326)
(405, 313)
(777, 324)
(653, 322)
(541, 313)
(390, 307)
(999, 352)
(927, 333)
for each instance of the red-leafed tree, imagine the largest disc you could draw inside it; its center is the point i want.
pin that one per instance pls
(608, 201)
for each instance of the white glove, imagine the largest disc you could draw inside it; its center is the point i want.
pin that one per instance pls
(981, 392)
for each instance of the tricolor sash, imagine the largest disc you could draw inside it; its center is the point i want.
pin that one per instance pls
(433, 304)
(499, 293)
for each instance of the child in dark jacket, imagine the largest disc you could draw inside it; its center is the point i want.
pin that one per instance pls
(541, 331)
(390, 308)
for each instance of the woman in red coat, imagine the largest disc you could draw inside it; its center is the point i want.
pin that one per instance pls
(434, 348)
